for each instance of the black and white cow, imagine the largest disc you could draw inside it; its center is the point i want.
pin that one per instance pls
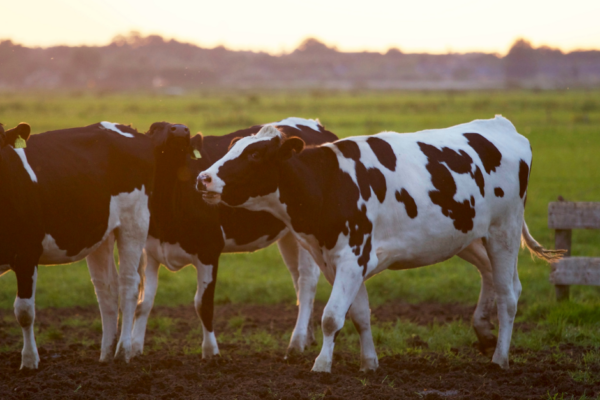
(196, 233)
(392, 201)
(70, 194)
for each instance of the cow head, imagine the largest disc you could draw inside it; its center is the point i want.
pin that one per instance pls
(14, 136)
(250, 169)
(169, 136)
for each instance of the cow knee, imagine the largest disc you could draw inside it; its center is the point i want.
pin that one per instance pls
(331, 324)
(24, 311)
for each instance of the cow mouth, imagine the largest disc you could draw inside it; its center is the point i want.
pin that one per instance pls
(211, 197)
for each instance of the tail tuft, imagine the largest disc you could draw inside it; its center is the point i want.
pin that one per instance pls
(537, 249)
(142, 273)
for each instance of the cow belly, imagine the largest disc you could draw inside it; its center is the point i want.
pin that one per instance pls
(171, 255)
(232, 247)
(124, 208)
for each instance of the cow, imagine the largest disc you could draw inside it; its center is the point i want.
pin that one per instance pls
(196, 233)
(392, 201)
(71, 194)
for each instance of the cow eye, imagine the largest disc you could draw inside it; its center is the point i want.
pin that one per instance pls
(255, 156)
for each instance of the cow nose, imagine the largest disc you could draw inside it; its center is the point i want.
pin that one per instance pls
(179, 130)
(203, 179)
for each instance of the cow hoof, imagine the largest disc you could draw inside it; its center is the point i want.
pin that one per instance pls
(209, 353)
(297, 345)
(137, 349)
(501, 363)
(321, 366)
(123, 353)
(368, 364)
(487, 346)
(30, 361)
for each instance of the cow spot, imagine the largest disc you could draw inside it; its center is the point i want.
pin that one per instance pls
(488, 153)
(499, 192)
(523, 177)
(341, 214)
(462, 213)
(409, 203)
(383, 151)
(366, 178)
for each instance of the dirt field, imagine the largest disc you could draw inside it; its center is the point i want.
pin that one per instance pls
(69, 366)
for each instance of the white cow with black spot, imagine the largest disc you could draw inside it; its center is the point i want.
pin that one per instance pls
(392, 201)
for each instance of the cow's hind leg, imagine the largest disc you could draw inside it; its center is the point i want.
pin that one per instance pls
(142, 311)
(25, 313)
(502, 246)
(348, 280)
(101, 264)
(204, 302)
(131, 238)
(360, 314)
(305, 275)
(476, 254)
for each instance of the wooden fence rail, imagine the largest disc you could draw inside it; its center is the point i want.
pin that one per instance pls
(563, 217)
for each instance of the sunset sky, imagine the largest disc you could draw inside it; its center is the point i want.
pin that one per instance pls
(276, 26)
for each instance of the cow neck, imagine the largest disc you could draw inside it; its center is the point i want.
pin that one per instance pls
(172, 175)
(303, 188)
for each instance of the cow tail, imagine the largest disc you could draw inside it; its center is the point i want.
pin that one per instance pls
(142, 273)
(537, 249)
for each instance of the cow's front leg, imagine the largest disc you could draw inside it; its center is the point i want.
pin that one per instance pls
(305, 276)
(348, 279)
(25, 312)
(360, 313)
(130, 242)
(204, 302)
(142, 311)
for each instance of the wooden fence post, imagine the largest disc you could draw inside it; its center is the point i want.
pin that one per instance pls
(562, 240)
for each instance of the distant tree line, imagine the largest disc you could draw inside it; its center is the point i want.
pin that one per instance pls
(135, 62)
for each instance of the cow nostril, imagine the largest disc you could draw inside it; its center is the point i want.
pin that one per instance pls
(173, 128)
(207, 179)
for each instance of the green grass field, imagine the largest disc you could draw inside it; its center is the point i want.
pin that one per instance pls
(563, 127)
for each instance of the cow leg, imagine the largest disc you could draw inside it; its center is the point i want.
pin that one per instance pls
(477, 255)
(101, 264)
(204, 302)
(142, 311)
(131, 238)
(305, 275)
(25, 313)
(503, 246)
(360, 313)
(347, 282)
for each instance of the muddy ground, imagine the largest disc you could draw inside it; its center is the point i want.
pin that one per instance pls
(169, 370)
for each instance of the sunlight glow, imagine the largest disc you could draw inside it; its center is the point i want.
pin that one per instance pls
(275, 26)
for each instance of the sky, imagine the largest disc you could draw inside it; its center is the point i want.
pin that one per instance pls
(278, 26)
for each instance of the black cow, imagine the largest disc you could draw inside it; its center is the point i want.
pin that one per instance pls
(70, 194)
(196, 233)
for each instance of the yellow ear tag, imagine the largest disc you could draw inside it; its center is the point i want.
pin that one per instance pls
(20, 143)
(197, 154)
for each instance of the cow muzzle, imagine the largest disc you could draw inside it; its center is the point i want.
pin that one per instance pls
(204, 185)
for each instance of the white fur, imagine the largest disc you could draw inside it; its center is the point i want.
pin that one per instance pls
(113, 127)
(295, 121)
(23, 157)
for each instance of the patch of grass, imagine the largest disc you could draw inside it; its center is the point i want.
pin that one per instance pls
(161, 324)
(561, 126)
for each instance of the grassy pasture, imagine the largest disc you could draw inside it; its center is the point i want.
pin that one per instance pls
(563, 127)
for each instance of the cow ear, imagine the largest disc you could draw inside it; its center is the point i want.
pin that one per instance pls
(17, 136)
(233, 142)
(196, 143)
(289, 146)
